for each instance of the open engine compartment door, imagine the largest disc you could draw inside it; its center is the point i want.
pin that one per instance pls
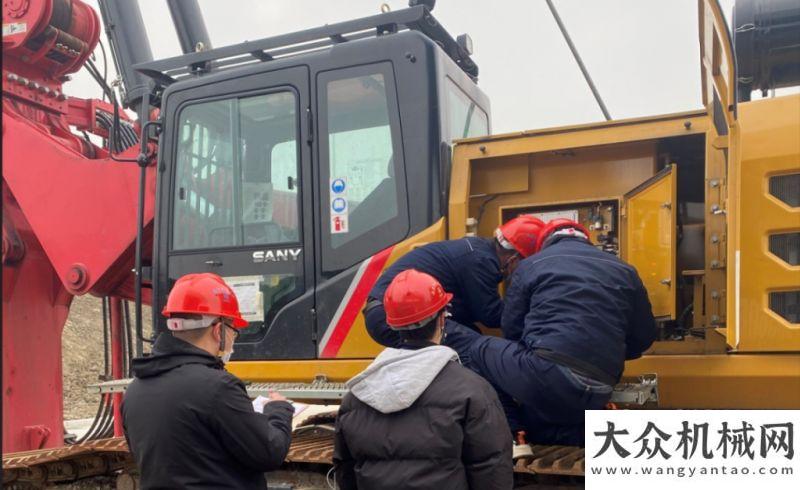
(649, 218)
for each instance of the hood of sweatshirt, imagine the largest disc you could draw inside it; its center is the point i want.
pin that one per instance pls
(397, 377)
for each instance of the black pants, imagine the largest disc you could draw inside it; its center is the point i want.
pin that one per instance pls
(551, 398)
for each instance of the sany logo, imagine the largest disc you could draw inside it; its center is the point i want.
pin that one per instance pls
(284, 255)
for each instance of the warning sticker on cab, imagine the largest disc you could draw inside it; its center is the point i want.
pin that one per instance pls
(248, 293)
(14, 28)
(339, 224)
(339, 206)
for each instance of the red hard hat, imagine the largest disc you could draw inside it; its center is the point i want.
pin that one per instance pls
(411, 297)
(559, 224)
(521, 233)
(204, 294)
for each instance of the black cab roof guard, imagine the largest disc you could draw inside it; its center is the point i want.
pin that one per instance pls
(418, 18)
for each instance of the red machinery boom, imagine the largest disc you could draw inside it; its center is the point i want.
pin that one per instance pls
(69, 209)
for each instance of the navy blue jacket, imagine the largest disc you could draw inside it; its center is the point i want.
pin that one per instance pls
(582, 302)
(468, 268)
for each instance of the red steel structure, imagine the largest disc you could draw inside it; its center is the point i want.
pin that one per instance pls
(69, 211)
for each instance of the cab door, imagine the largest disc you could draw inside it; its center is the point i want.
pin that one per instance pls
(649, 221)
(363, 199)
(235, 201)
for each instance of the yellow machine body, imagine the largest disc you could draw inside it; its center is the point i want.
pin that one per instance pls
(730, 171)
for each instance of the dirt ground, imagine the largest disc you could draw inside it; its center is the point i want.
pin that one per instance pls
(82, 351)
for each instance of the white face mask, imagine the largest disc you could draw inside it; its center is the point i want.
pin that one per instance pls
(226, 357)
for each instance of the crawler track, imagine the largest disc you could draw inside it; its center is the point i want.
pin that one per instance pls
(312, 444)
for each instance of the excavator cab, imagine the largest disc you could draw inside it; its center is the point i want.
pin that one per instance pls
(286, 165)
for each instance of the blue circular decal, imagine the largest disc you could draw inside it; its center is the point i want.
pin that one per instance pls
(338, 186)
(339, 205)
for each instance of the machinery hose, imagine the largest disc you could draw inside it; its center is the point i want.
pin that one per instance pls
(108, 413)
(100, 418)
(103, 422)
(89, 432)
(127, 366)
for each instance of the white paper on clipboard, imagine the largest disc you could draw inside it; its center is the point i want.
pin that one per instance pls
(248, 293)
(260, 401)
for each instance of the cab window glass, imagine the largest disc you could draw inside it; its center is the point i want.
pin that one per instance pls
(236, 173)
(465, 118)
(364, 191)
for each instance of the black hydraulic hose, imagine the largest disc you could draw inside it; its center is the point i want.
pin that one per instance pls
(114, 130)
(98, 416)
(105, 62)
(482, 207)
(96, 419)
(123, 338)
(108, 423)
(128, 368)
(107, 412)
(126, 133)
(99, 421)
(115, 133)
(95, 73)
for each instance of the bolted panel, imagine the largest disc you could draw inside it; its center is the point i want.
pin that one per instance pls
(768, 226)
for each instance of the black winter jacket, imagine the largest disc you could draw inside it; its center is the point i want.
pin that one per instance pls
(190, 424)
(454, 435)
(579, 301)
(467, 267)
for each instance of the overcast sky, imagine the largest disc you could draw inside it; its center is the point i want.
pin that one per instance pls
(642, 54)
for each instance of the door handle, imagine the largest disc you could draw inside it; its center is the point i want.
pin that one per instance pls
(213, 263)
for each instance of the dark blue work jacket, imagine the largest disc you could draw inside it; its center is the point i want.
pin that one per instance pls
(468, 268)
(579, 301)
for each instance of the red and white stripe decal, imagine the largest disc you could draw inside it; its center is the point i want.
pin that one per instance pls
(352, 302)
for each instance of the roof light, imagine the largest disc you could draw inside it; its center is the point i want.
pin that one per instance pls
(465, 43)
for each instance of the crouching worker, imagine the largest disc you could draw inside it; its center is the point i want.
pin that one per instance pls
(188, 422)
(573, 315)
(469, 268)
(416, 418)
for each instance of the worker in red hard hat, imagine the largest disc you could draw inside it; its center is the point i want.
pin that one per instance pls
(431, 422)
(471, 268)
(189, 423)
(573, 315)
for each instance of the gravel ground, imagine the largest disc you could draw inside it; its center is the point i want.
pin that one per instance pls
(82, 350)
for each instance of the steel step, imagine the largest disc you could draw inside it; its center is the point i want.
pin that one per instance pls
(316, 390)
(630, 393)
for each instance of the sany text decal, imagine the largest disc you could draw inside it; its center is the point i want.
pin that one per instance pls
(283, 255)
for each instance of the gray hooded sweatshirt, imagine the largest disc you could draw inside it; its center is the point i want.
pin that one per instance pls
(397, 377)
(419, 420)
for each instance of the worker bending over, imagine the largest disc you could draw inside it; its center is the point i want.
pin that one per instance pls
(188, 422)
(470, 268)
(573, 315)
(416, 418)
